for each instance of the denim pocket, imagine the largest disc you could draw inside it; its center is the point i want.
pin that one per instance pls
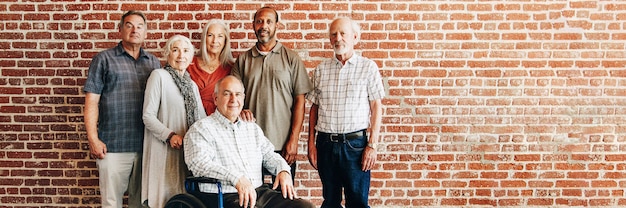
(357, 144)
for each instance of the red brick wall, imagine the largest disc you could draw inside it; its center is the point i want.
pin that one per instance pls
(489, 102)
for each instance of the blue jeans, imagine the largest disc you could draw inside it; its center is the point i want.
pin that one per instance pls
(339, 166)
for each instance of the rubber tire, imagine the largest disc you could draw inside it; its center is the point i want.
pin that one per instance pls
(184, 201)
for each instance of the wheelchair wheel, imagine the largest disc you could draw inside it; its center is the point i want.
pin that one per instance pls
(184, 201)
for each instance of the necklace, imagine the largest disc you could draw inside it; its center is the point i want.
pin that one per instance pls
(209, 67)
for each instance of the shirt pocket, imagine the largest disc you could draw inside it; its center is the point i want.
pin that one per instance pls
(281, 78)
(356, 89)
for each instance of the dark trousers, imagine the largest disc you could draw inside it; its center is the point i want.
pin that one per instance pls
(339, 166)
(266, 197)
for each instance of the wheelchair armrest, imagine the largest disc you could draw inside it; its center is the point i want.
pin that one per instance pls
(202, 179)
(191, 186)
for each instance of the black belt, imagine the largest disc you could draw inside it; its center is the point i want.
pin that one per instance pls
(332, 137)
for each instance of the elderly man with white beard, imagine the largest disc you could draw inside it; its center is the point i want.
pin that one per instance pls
(346, 97)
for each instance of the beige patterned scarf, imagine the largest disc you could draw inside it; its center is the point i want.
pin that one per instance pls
(185, 85)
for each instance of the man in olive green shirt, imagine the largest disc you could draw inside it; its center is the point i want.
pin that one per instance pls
(276, 82)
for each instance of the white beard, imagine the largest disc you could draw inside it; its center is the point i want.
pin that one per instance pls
(341, 50)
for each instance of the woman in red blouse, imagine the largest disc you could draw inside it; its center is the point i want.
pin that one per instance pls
(213, 61)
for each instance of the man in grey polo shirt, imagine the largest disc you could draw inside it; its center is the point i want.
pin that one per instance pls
(276, 81)
(113, 106)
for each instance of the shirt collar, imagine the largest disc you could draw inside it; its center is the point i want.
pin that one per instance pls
(119, 50)
(276, 49)
(351, 60)
(223, 120)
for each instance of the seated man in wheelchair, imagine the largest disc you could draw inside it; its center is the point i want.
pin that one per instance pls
(234, 151)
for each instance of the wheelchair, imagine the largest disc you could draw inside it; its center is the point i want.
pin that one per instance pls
(190, 199)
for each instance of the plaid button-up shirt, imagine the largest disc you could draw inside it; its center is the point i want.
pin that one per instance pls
(217, 148)
(120, 80)
(343, 92)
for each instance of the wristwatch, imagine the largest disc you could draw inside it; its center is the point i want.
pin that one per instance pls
(371, 145)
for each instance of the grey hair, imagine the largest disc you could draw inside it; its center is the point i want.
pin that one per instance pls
(354, 25)
(216, 89)
(226, 56)
(131, 12)
(167, 49)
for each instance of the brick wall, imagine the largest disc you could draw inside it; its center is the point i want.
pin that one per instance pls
(489, 103)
